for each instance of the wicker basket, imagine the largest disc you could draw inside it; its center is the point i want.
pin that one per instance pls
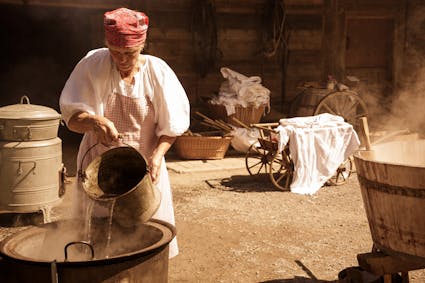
(195, 147)
(247, 115)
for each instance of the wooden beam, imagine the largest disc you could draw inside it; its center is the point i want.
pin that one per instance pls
(379, 263)
(98, 4)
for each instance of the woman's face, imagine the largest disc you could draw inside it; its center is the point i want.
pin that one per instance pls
(125, 58)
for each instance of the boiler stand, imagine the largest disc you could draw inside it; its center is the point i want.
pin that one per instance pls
(46, 214)
(382, 264)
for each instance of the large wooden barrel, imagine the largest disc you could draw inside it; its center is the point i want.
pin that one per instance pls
(392, 182)
(305, 102)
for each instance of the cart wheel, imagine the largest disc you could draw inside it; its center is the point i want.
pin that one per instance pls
(346, 104)
(281, 171)
(342, 174)
(257, 160)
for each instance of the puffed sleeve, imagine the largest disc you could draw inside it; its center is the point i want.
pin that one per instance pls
(172, 109)
(84, 89)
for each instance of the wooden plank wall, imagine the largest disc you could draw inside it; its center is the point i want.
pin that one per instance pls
(76, 27)
(305, 58)
(240, 27)
(318, 39)
(238, 34)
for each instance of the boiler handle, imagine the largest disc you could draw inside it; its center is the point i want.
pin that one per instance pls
(78, 242)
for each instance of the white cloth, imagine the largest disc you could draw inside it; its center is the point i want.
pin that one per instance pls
(89, 88)
(243, 138)
(318, 145)
(240, 90)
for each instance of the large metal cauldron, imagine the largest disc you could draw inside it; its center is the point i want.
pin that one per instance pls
(54, 252)
(392, 181)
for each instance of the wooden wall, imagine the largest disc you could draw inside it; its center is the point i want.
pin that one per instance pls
(231, 35)
(63, 31)
(46, 38)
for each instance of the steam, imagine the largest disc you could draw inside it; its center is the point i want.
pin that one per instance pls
(49, 242)
(403, 110)
(408, 106)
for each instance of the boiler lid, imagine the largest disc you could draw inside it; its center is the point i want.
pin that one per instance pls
(25, 110)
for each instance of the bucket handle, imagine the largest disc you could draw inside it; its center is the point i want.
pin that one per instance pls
(82, 174)
(78, 242)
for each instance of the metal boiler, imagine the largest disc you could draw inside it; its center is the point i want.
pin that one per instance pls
(31, 169)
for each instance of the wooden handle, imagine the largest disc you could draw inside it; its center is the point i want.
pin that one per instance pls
(240, 123)
(364, 133)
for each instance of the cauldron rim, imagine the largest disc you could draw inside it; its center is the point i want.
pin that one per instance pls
(150, 250)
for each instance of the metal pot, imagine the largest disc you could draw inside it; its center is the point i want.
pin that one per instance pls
(28, 122)
(121, 175)
(45, 254)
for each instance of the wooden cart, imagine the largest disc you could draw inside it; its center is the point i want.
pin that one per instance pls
(264, 158)
(313, 101)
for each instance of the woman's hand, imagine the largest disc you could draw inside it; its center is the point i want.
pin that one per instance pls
(155, 161)
(155, 167)
(104, 128)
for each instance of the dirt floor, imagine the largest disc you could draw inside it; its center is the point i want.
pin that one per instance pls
(233, 227)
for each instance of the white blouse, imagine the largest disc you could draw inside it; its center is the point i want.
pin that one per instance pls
(94, 77)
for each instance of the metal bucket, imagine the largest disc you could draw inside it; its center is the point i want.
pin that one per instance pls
(121, 175)
(392, 181)
(43, 253)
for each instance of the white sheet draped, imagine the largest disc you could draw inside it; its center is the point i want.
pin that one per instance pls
(318, 145)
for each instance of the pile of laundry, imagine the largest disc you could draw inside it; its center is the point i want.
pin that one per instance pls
(318, 145)
(240, 90)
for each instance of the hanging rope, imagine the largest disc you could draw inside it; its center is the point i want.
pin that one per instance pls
(204, 35)
(276, 30)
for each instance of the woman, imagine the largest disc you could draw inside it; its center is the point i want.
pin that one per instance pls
(116, 91)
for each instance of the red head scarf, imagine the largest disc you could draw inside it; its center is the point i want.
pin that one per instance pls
(125, 27)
